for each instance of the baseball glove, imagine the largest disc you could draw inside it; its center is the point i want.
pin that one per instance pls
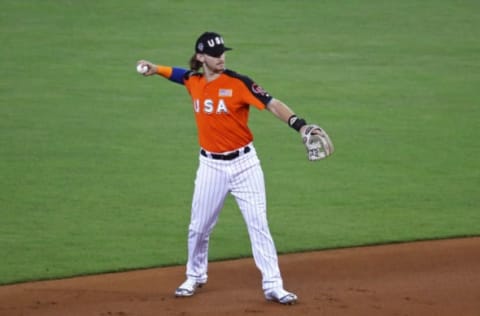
(317, 142)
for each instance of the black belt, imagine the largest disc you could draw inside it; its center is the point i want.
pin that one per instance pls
(229, 156)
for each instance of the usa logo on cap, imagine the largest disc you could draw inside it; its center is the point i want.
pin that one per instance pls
(211, 43)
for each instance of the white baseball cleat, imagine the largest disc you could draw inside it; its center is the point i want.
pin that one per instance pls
(188, 288)
(281, 296)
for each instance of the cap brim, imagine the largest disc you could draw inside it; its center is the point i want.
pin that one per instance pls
(219, 53)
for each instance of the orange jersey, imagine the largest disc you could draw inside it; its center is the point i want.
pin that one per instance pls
(221, 109)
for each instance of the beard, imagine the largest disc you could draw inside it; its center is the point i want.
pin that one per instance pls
(215, 67)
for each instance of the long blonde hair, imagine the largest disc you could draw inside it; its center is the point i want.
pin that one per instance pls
(195, 64)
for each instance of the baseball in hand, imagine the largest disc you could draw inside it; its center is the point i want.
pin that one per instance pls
(142, 69)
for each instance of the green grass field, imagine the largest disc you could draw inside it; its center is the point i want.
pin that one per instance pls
(97, 163)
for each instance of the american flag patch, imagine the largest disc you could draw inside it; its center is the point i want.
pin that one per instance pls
(225, 93)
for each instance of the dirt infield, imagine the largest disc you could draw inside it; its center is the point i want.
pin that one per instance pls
(422, 278)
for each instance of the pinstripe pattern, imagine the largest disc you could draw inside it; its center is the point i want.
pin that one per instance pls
(243, 178)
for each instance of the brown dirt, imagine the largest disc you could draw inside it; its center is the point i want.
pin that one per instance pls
(422, 278)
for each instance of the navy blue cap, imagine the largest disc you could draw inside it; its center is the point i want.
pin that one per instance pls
(211, 43)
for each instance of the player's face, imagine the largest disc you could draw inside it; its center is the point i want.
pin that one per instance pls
(214, 64)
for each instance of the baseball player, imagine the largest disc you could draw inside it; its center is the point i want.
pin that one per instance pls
(228, 162)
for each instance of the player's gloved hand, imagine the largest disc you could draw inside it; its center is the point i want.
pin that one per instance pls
(317, 142)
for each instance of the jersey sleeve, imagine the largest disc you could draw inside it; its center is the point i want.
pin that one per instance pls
(257, 94)
(175, 74)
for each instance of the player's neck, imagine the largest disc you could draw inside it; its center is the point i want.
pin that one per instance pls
(211, 75)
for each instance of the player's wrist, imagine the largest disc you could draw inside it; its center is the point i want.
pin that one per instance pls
(296, 123)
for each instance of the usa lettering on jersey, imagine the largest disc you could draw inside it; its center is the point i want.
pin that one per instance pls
(209, 106)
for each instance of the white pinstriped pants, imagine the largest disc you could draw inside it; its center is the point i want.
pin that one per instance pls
(243, 178)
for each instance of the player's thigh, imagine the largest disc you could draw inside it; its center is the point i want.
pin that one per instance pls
(249, 192)
(211, 188)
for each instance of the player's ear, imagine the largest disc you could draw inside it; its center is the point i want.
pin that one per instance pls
(200, 57)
